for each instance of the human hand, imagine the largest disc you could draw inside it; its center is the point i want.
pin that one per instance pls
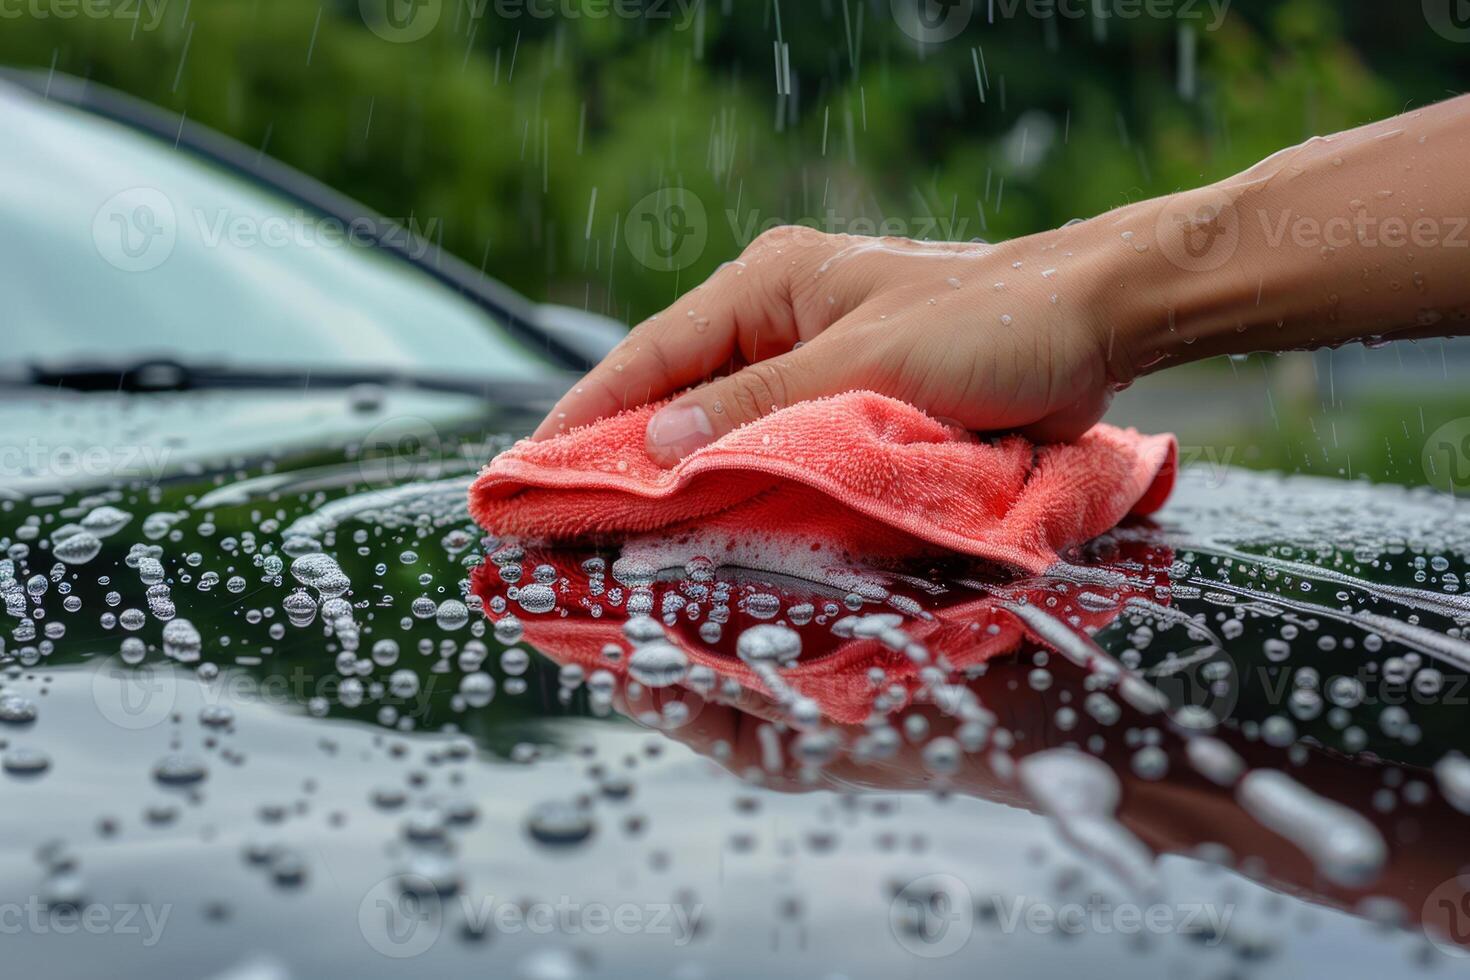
(984, 336)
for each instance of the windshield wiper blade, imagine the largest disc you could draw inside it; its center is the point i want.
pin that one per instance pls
(152, 375)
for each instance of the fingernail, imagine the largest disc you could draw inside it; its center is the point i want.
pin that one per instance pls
(678, 430)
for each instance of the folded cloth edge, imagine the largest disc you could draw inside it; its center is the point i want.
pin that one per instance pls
(1154, 465)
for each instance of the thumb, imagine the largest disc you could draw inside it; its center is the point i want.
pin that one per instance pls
(703, 415)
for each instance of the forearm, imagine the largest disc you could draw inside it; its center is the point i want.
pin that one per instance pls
(1358, 236)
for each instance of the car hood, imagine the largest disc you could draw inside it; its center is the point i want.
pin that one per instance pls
(73, 441)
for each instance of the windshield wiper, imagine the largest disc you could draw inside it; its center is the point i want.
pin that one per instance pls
(162, 374)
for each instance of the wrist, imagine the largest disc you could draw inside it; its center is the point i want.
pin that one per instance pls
(1175, 280)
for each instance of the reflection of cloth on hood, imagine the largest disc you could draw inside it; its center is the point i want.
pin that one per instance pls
(856, 476)
(966, 626)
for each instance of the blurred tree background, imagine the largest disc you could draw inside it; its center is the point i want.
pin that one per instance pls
(508, 115)
(530, 129)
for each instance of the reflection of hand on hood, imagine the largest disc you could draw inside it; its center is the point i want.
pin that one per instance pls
(960, 624)
(737, 721)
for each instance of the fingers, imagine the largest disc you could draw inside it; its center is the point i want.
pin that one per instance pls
(659, 356)
(743, 308)
(710, 411)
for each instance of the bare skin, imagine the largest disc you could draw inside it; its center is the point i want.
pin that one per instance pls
(1360, 236)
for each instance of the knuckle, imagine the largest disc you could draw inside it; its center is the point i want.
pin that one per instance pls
(658, 358)
(643, 346)
(604, 388)
(774, 237)
(783, 237)
(758, 390)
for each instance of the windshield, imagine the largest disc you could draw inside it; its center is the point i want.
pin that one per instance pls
(155, 252)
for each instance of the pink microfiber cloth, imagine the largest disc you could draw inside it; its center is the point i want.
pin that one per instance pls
(857, 473)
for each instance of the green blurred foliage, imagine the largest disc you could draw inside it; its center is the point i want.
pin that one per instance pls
(502, 124)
